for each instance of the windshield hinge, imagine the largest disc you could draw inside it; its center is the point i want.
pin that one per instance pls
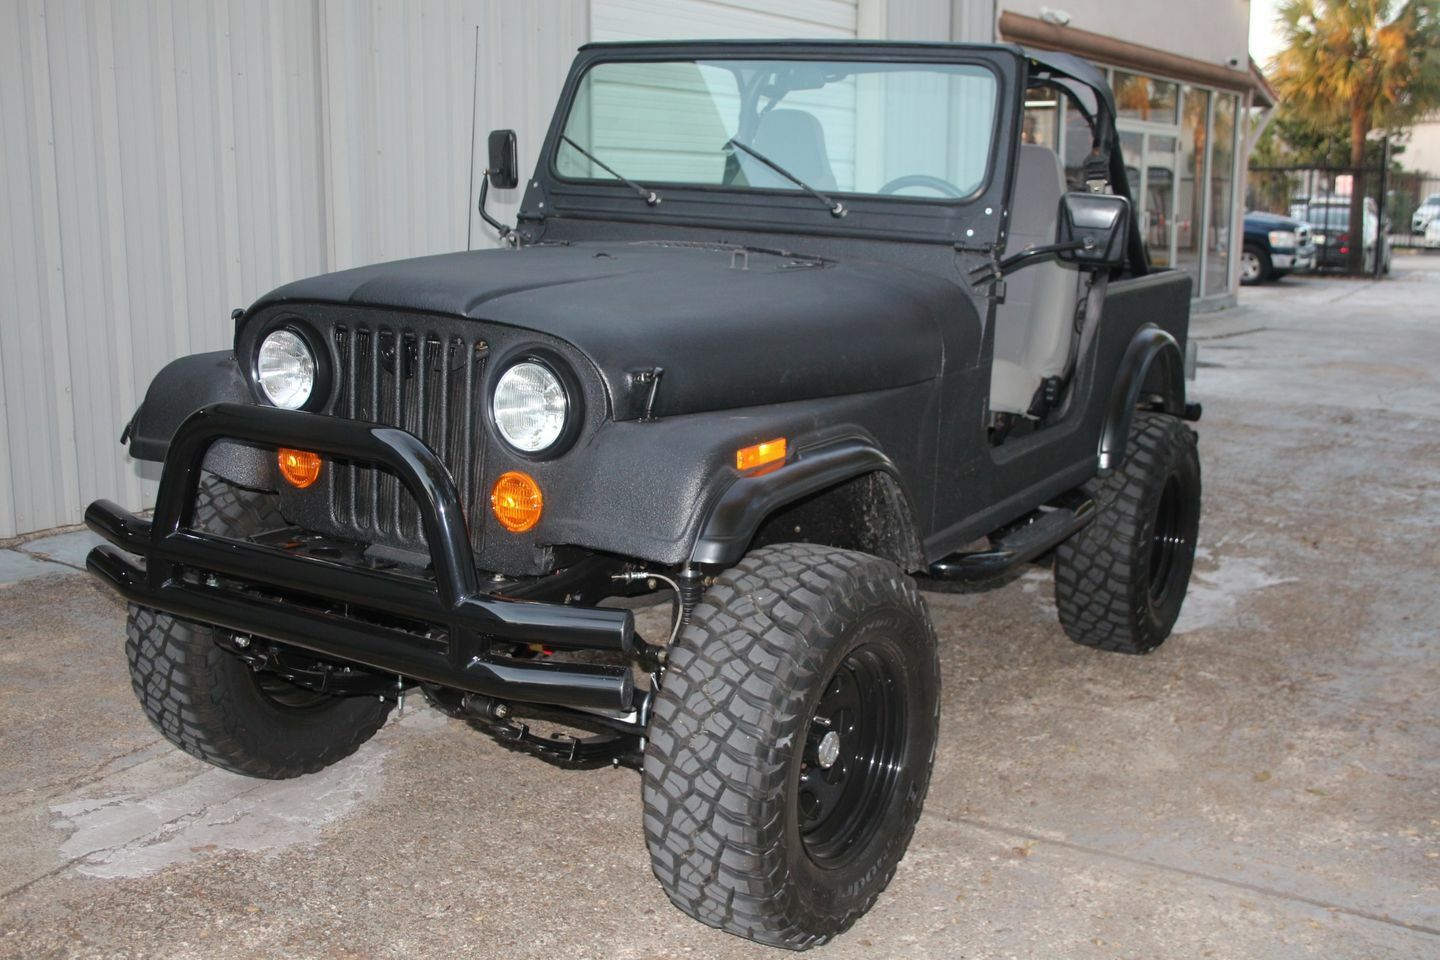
(650, 378)
(989, 272)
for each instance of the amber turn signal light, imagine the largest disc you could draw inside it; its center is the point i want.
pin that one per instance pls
(516, 500)
(760, 454)
(300, 468)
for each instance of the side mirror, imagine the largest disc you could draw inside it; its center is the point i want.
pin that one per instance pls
(1092, 229)
(503, 170)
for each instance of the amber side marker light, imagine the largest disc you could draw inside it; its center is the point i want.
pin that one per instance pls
(516, 500)
(300, 468)
(768, 451)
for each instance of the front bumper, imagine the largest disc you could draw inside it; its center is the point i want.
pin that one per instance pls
(443, 628)
(1293, 260)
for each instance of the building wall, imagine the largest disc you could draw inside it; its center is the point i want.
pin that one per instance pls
(160, 165)
(1422, 148)
(1181, 72)
(163, 161)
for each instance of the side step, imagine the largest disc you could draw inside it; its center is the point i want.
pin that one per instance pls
(1020, 545)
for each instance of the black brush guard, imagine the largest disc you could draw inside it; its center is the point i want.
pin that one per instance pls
(185, 570)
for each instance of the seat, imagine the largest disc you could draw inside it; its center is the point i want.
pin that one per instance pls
(1034, 326)
(795, 140)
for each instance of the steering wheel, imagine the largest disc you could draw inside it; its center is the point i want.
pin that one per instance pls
(944, 187)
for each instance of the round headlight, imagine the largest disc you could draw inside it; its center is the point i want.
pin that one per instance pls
(529, 407)
(286, 369)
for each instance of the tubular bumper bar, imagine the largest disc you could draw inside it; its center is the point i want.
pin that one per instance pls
(472, 620)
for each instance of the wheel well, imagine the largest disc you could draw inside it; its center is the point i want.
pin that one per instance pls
(1151, 377)
(1163, 388)
(868, 513)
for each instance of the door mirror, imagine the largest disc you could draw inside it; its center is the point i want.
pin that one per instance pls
(503, 170)
(1092, 228)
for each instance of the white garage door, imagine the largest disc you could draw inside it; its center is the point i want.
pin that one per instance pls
(715, 19)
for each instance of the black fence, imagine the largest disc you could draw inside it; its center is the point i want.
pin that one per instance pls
(1412, 201)
(1321, 196)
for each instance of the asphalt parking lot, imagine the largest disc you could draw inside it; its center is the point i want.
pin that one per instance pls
(1266, 785)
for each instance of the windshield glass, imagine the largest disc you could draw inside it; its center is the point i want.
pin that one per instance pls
(919, 130)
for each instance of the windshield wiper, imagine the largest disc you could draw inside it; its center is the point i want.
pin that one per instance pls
(837, 209)
(650, 196)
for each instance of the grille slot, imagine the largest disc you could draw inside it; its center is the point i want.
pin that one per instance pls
(425, 382)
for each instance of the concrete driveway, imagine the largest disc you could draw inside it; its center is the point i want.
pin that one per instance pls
(1266, 785)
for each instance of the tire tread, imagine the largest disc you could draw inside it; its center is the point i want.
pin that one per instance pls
(713, 826)
(190, 688)
(1101, 590)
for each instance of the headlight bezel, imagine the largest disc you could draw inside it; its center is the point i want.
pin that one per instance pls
(557, 367)
(320, 387)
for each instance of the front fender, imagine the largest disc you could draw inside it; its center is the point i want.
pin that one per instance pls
(1153, 365)
(178, 390)
(746, 503)
(667, 490)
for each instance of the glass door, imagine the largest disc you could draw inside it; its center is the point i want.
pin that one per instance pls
(1150, 166)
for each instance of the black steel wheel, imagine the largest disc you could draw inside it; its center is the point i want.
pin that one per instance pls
(791, 744)
(211, 704)
(1120, 582)
(1170, 541)
(854, 747)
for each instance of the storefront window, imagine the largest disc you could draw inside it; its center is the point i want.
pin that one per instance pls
(1190, 184)
(1159, 196)
(1222, 195)
(1145, 98)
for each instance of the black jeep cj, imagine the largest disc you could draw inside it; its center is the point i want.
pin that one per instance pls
(782, 328)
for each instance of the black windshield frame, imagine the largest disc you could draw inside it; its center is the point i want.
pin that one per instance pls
(973, 222)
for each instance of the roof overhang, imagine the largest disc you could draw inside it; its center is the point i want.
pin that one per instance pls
(1036, 33)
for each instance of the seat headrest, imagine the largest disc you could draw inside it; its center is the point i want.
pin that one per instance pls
(1039, 184)
(795, 140)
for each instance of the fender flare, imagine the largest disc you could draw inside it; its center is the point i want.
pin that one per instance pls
(1154, 364)
(738, 514)
(182, 387)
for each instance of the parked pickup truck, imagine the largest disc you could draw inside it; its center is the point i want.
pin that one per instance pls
(1274, 247)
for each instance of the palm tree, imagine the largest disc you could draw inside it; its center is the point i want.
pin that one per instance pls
(1361, 62)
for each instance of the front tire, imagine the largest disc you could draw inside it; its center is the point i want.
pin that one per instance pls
(211, 704)
(791, 744)
(1254, 266)
(1120, 582)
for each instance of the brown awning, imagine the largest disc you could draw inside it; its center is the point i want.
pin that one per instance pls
(1017, 28)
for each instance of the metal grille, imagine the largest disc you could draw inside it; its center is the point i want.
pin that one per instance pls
(425, 382)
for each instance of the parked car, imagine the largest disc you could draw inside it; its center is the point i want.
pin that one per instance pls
(716, 360)
(1425, 214)
(1329, 219)
(1274, 246)
(1432, 234)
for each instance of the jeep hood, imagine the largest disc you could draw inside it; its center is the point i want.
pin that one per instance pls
(731, 328)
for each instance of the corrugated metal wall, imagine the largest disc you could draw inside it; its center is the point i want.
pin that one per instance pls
(397, 83)
(162, 161)
(719, 19)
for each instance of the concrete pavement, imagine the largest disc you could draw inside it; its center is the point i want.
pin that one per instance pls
(56, 555)
(1266, 785)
